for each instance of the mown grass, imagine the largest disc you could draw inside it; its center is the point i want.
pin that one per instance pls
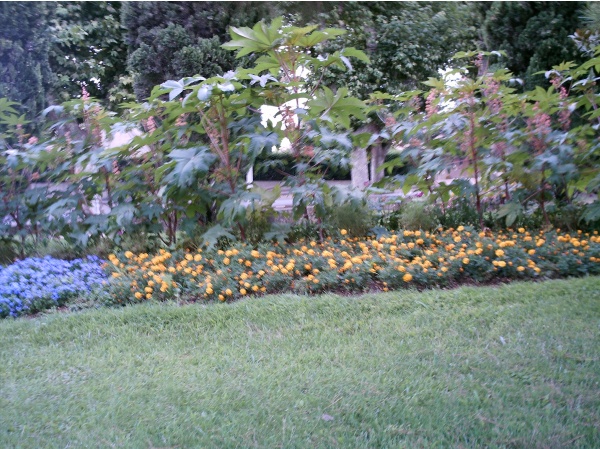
(508, 366)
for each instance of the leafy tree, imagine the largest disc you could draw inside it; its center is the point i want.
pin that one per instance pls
(169, 40)
(87, 49)
(25, 74)
(535, 35)
(406, 41)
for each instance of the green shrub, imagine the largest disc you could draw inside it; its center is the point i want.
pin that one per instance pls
(353, 216)
(417, 215)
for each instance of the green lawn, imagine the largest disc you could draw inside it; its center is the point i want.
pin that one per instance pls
(512, 366)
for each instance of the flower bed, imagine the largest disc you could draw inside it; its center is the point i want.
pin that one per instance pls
(35, 284)
(408, 258)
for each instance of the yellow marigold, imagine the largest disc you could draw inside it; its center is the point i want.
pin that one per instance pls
(343, 232)
(138, 295)
(148, 295)
(209, 291)
(540, 242)
(221, 298)
(148, 289)
(499, 253)
(460, 228)
(243, 291)
(520, 268)
(197, 258)
(501, 264)
(531, 252)
(466, 261)
(407, 277)
(226, 261)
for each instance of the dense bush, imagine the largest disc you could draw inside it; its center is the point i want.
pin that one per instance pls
(35, 284)
(529, 159)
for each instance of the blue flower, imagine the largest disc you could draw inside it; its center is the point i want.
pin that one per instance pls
(33, 284)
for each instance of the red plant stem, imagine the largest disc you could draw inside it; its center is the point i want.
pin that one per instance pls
(473, 148)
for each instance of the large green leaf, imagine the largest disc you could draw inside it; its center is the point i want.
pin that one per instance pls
(188, 164)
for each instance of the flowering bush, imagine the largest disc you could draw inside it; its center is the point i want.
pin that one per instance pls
(35, 284)
(407, 258)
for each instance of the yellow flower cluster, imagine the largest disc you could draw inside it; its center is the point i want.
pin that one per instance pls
(445, 257)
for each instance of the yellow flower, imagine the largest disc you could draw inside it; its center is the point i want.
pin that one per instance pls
(466, 261)
(540, 242)
(343, 232)
(226, 261)
(243, 291)
(209, 291)
(148, 289)
(531, 252)
(499, 253)
(501, 264)
(460, 228)
(520, 268)
(407, 277)
(138, 295)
